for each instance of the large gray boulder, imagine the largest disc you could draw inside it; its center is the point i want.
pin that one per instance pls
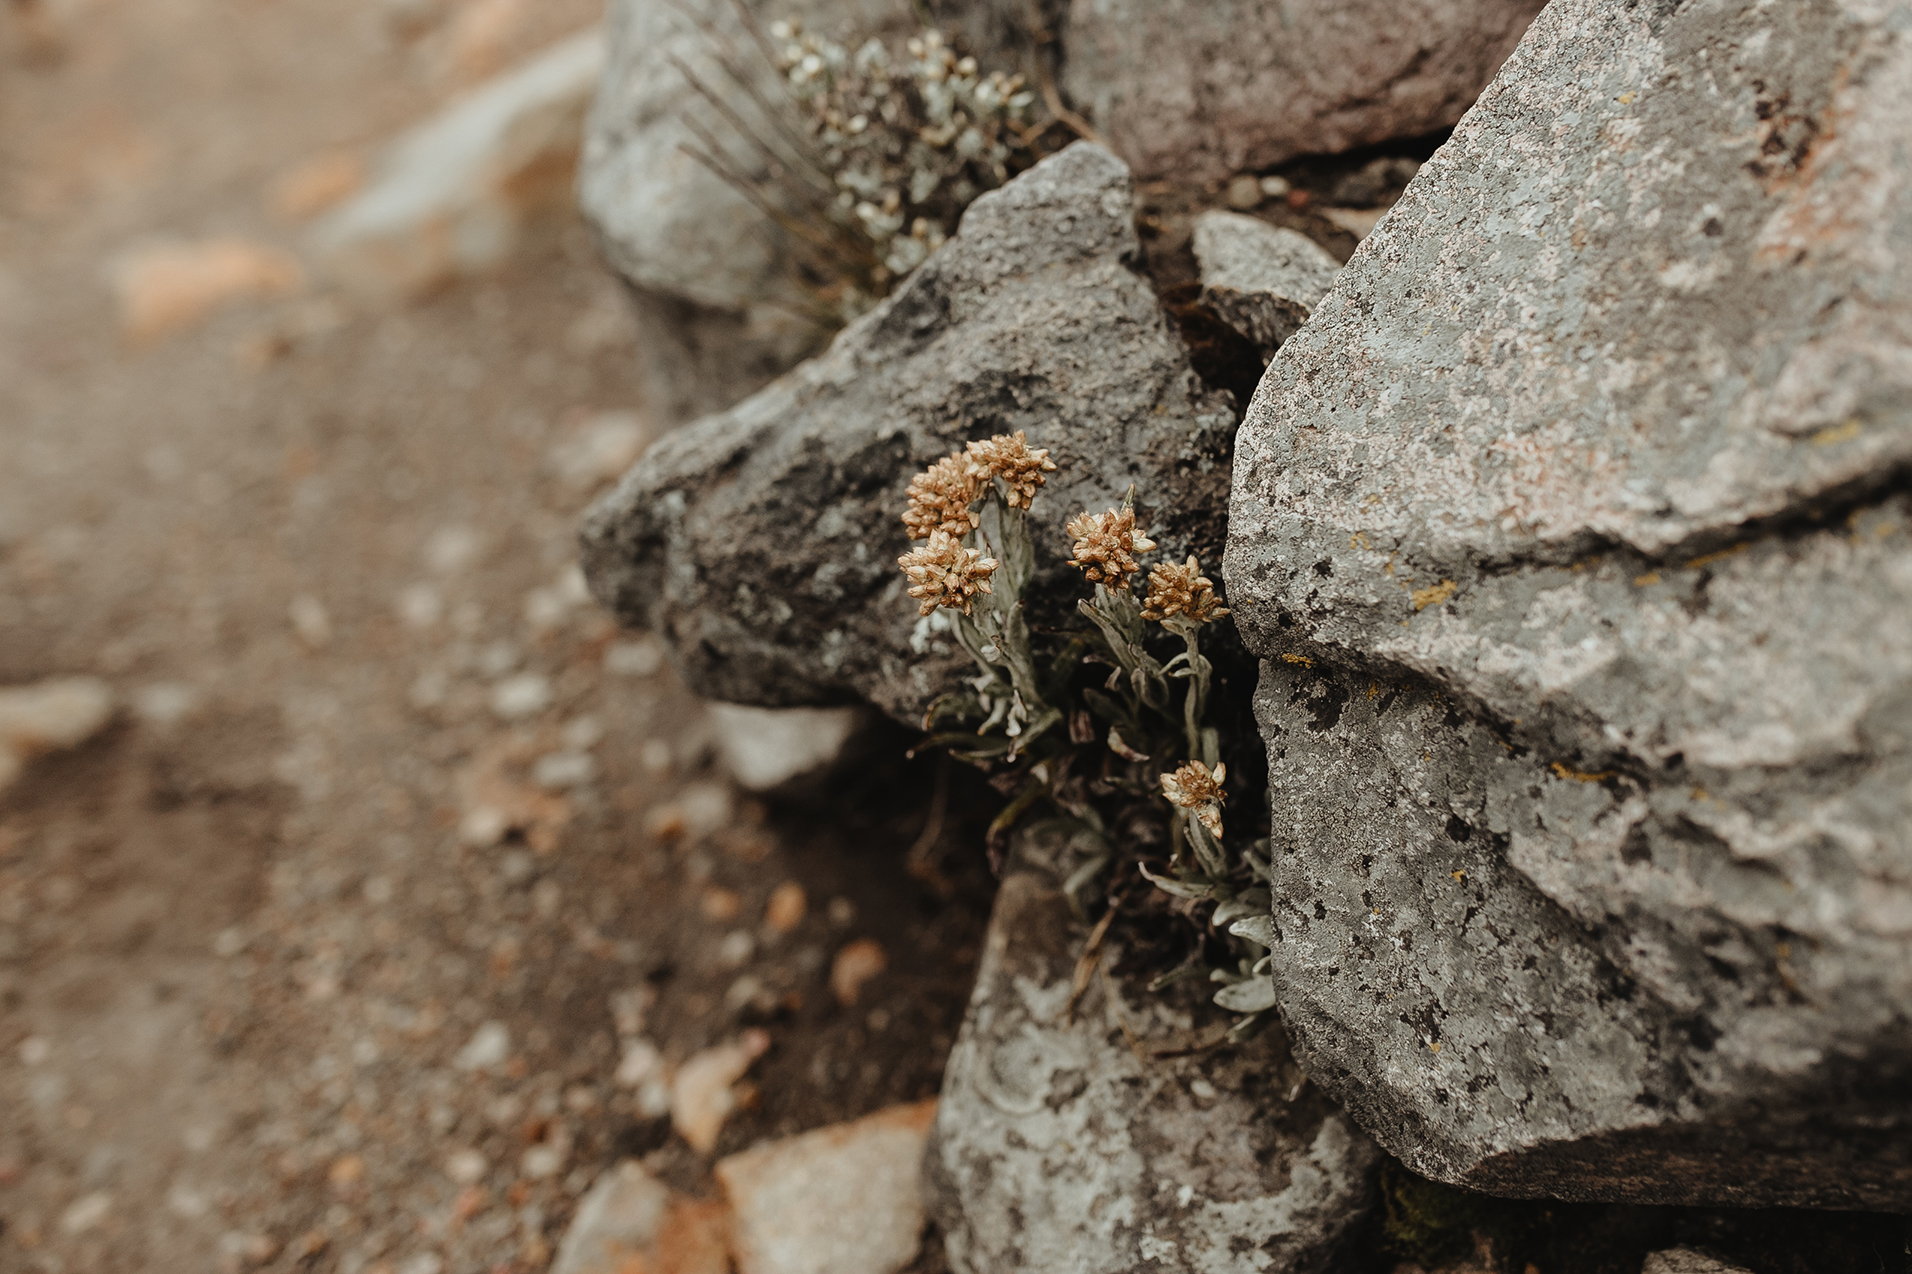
(1573, 530)
(1064, 1142)
(762, 542)
(1197, 89)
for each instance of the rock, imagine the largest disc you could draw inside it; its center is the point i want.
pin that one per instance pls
(762, 542)
(1059, 1144)
(1195, 91)
(630, 1221)
(1573, 532)
(1261, 280)
(701, 1093)
(49, 716)
(786, 908)
(168, 287)
(719, 308)
(847, 1199)
(487, 1049)
(766, 748)
(854, 965)
(1684, 1260)
(452, 197)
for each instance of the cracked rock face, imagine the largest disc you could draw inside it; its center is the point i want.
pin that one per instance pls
(1066, 1145)
(1573, 531)
(1196, 90)
(762, 542)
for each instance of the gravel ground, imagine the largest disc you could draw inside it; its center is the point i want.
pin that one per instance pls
(272, 995)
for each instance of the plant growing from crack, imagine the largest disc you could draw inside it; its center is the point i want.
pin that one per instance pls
(1117, 770)
(866, 156)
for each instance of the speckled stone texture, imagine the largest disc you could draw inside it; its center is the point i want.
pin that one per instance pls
(1197, 89)
(762, 542)
(1574, 533)
(1064, 1144)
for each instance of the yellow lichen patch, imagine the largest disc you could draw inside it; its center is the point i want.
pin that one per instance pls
(1359, 540)
(1459, 875)
(1580, 776)
(1707, 559)
(1303, 660)
(1433, 594)
(1833, 435)
(1647, 580)
(1374, 688)
(1435, 1046)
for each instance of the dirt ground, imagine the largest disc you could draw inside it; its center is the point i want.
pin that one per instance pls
(267, 999)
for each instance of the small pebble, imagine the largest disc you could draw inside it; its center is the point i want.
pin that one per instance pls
(736, 949)
(524, 695)
(1274, 187)
(640, 658)
(559, 770)
(1244, 193)
(701, 1094)
(88, 1212)
(854, 966)
(720, 905)
(640, 1062)
(786, 908)
(487, 1049)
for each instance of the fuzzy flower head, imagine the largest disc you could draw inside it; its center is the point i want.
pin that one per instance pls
(1193, 788)
(1182, 591)
(1011, 458)
(940, 497)
(944, 573)
(1106, 545)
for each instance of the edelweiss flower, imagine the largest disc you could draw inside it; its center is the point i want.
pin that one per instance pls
(944, 573)
(1106, 545)
(1193, 788)
(940, 497)
(1011, 458)
(1182, 590)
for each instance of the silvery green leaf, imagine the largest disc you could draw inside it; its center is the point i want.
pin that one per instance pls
(1252, 996)
(1259, 929)
(1250, 902)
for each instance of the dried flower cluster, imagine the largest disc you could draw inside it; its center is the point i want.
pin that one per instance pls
(1193, 787)
(1182, 591)
(908, 142)
(1106, 545)
(944, 573)
(940, 499)
(1009, 457)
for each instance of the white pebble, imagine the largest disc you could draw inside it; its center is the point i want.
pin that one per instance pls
(736, 948)
(524, 695)
(34, 1049)
(466, 1166)
(640, 1062)
(420, 606)
(487, 1048)
(87, 1212)
(640, 658)
(564, 769)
